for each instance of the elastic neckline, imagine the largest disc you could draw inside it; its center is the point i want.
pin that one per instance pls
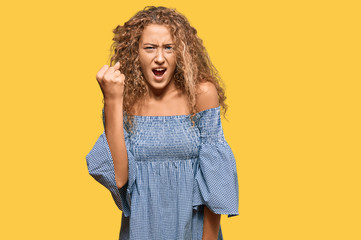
(176, 116)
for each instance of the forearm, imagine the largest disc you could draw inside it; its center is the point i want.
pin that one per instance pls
(211, 223)
(113, 114)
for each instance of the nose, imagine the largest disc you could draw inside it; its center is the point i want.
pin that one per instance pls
(159, 59)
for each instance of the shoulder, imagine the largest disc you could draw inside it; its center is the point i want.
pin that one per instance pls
(207, 96)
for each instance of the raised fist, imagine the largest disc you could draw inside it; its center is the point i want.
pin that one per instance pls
(111, 82)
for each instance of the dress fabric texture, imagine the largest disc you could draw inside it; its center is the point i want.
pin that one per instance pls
(174, 170)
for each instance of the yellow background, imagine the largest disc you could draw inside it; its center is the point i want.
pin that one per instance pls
(292, 75)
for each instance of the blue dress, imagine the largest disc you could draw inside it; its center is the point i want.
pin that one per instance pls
(174, 170)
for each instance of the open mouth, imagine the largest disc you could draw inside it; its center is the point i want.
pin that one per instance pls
(158, 72)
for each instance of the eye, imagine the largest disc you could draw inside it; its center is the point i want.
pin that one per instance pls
(168, 48)
(149, 47)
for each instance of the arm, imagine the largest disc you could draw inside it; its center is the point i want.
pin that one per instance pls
(113, 114)
(207, 97)
(111, 82)
(211, 224)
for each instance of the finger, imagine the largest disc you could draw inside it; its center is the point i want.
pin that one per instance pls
(117, 73)
(117, 65)
(110, 70)
(101, 72)
(120, 78)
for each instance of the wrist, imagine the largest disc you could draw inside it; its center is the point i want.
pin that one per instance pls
(113, 101)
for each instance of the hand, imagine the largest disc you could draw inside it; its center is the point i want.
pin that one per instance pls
(111, 82)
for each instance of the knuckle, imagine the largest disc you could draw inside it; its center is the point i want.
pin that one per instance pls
(107, 78)
(104, 68)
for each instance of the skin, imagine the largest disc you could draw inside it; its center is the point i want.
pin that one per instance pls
(163, 99)
(156, 50)
(207, 97)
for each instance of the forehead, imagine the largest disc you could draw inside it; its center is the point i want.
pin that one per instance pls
(155, 33)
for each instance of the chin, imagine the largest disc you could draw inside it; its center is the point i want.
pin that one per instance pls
(158, 84)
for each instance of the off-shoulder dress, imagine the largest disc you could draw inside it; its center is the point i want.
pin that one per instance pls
(175, 169)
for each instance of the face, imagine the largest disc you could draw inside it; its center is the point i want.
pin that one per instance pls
(157, 56)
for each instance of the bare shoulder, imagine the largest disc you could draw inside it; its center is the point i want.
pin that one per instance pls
(207, 96)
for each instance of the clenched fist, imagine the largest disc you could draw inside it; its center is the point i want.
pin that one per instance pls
(111, 82)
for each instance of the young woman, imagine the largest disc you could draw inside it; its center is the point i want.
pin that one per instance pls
(162, 154)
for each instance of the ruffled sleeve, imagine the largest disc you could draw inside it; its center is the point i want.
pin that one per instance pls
(215, 181)
(101, 168)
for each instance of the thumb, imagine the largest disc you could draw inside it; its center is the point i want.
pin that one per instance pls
(117, 65)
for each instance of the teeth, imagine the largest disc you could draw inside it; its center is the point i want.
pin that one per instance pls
(159, 69)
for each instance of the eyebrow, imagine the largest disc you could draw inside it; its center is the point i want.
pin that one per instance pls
(152, 44)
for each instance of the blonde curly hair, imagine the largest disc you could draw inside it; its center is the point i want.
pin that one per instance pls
(193, 64)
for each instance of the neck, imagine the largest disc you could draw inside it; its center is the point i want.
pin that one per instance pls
(160, 94)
